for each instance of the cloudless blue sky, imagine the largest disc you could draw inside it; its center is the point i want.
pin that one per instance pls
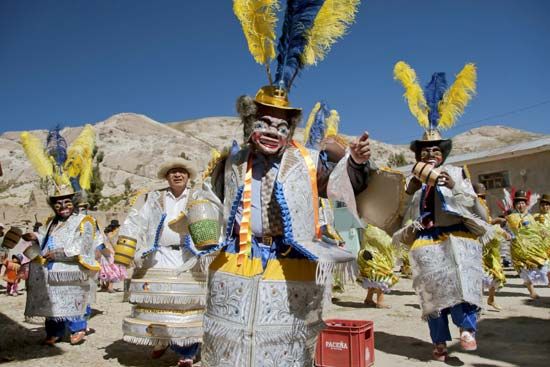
(78, 61)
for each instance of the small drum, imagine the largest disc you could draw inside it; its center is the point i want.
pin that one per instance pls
(381, 203)
(204, 223)
(32, 252)
(12, 237)
(426, 173)
(125, 249)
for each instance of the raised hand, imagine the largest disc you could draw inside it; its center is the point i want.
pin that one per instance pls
(360, 149)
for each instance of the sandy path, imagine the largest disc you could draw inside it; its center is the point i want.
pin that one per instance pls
(519, 335)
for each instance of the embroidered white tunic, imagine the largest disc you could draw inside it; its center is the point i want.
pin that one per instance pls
(168, 288)
(61, 289)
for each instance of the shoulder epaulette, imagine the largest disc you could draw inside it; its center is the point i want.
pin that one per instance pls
(137, 194)
(88, 219)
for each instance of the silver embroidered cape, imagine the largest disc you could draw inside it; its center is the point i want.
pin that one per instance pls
(446, 259)
(271, 316)
(62, 289)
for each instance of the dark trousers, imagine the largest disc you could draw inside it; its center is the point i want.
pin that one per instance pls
(187, 352)
(58, 328)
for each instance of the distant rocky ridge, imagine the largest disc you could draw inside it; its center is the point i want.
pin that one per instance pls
(134, 145)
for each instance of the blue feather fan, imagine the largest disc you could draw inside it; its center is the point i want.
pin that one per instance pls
(299, 18)
(434, 92)
(56, 146)
(318, 127)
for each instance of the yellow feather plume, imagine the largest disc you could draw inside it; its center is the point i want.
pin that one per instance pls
(258, 19)
(80, 155)
(85, 179)
(332, 122)
(215, 157)
(331, 23)
(59, 176)
(310, 120)
(413, 92)
(457, 96)
(34, 149)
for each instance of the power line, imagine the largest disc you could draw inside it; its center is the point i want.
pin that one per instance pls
(521, 109)
(512, 112)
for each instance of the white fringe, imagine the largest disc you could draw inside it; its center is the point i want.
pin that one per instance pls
(206, 261)
(326, 271)
(66, 276)
(175, 299)
(153, 342)
(65, 318)
(488, 236)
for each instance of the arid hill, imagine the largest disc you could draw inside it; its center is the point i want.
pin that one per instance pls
(134, 145)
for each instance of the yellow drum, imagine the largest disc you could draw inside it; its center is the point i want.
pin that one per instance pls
(12, 237)
(125, 249)
(426, 173)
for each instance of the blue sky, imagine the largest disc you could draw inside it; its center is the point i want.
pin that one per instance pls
(77, 61)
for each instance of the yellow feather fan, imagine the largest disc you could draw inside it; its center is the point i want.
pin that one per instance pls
(310, 120)
(34, 149)
(457, 96)
(80, 155)
(258, 19)
(330, 24)
(413, 92)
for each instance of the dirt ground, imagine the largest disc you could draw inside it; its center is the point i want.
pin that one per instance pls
(519, 335)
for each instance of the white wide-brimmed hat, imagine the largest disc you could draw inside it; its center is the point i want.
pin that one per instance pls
(176, 163)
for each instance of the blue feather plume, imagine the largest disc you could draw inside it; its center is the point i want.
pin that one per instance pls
(299, 18)
(234, 147)
(434, 92)
(56, 146)
(75, 183)
(318, 127)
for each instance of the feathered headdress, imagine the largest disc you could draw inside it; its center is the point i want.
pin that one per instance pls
(62, 167)
(436, 107)
(309, 29)
(510, 197)
(323, 123)
(321, 133)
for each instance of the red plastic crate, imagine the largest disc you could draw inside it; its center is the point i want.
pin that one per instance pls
(346, 343)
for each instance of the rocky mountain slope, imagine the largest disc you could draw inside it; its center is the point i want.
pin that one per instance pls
(134, 145)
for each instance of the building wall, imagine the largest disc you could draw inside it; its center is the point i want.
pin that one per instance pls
(536, 175)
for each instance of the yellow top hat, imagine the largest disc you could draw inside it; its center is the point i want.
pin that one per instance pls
(275, 101)
(272, 96)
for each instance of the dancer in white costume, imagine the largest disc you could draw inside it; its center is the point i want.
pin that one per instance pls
(167, 289)
(63, 268)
